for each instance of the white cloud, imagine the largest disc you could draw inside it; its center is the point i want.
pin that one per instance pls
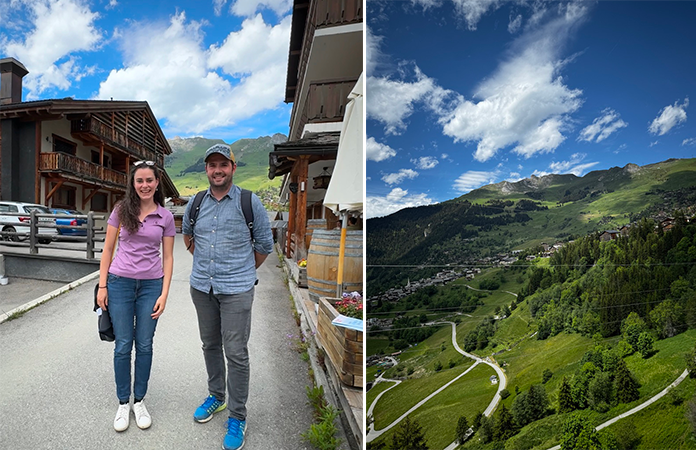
(218, 5)
(689, 141)
(425, 162)
(400, 176)
(375, 151)
(59, 29)
(572, 166)
(669, 117)
(444, 156)
(247, 8)
(373, 54)
(474, 179)
(525, 102)
(515, 24)
(427, 4)
(473, 10)
(602, 127)
(652, 144)
(177, 75)
(391, 101)
(397, 199)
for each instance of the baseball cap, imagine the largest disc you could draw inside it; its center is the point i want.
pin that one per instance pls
(222, 149)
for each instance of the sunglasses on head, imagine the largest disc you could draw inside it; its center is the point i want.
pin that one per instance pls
(147, 163)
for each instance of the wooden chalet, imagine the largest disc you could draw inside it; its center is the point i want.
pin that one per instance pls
(324, 63)
(74, 154)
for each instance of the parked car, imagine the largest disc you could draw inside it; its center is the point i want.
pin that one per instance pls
(20, 224)
(72, 221)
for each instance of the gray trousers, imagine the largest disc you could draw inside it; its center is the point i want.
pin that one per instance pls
(224, 322)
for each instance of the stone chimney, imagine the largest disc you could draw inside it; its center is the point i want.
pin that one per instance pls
(11, 74)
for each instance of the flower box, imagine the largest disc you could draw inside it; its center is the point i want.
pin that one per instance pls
(343, 346)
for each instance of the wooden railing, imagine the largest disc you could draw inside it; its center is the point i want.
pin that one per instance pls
(62, 162)
(116, 137)
(326, 102)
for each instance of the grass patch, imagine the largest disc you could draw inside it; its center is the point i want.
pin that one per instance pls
(376, 390)
(439, 416)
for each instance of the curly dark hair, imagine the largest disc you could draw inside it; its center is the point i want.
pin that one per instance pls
(129, 206)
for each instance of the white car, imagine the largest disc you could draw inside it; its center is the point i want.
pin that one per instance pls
(20, 224)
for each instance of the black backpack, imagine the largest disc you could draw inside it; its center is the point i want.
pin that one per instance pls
(246, 210)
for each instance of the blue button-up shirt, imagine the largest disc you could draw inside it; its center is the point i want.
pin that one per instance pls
(223, 258)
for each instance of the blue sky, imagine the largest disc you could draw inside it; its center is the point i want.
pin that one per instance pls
(213, 68)
(464, 93)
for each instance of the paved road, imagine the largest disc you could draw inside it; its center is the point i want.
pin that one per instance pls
(56, 377)
(374, 434)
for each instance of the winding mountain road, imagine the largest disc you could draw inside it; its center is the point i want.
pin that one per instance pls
(373, 434)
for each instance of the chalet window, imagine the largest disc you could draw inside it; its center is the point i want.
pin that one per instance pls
(64, 146)
(100, 203)
(95, 158)
(64, 198)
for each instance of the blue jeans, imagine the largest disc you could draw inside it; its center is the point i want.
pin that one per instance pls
(130, 306)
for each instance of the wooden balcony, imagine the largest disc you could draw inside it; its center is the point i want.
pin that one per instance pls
(324, 14)
(326, 102)
(114, 137)
(72, 166)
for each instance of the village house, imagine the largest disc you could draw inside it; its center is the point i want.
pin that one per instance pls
(324, 64)
(73, 154)
(609, 235)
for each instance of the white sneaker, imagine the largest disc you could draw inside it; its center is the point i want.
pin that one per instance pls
(142, 417)
(122, 417)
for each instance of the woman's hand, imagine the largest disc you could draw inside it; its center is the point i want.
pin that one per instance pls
(103, 298)
(159, 306)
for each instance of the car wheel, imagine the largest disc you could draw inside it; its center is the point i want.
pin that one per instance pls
(44, 241)
(9, 237)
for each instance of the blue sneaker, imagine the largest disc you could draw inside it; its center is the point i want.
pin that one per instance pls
(210, 406)
(234, 439)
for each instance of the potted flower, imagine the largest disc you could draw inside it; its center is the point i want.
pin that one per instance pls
(343, 346)
(300, 273)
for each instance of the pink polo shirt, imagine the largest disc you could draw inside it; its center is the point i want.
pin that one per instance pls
(138, 255)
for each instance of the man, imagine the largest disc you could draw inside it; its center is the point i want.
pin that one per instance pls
(222, 287)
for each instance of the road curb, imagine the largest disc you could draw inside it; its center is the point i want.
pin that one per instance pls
(51, 295)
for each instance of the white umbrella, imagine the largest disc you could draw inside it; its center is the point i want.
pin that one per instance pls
(345, 191)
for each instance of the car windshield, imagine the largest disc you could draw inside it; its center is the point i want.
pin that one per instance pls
(38, 209)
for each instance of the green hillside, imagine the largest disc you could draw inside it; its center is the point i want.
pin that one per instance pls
(186, 168)
(517, 216)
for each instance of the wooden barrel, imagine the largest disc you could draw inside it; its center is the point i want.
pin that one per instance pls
(313, 224)
(322, 263)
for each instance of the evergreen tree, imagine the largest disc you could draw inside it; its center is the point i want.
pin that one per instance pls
(631, 327)
(476, 423)
(530, 405)
(504, 426)
(565, 399)
(625, 386)
(599, 392)
(462, 428)
(485, 430)
(579, 434)
(409, 436)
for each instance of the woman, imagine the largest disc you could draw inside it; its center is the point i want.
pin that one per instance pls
(135, 285)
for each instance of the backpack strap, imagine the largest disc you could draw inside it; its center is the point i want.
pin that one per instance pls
(195, 208)
(248, 212)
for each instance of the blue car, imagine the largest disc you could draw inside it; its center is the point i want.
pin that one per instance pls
(70, 221)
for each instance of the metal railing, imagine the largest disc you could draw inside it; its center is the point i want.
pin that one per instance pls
(36, 240)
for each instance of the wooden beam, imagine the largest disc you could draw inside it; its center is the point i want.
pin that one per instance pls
(53, 191)
(291, 219)
(89, 197)
(301, 227)
(37, 162)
